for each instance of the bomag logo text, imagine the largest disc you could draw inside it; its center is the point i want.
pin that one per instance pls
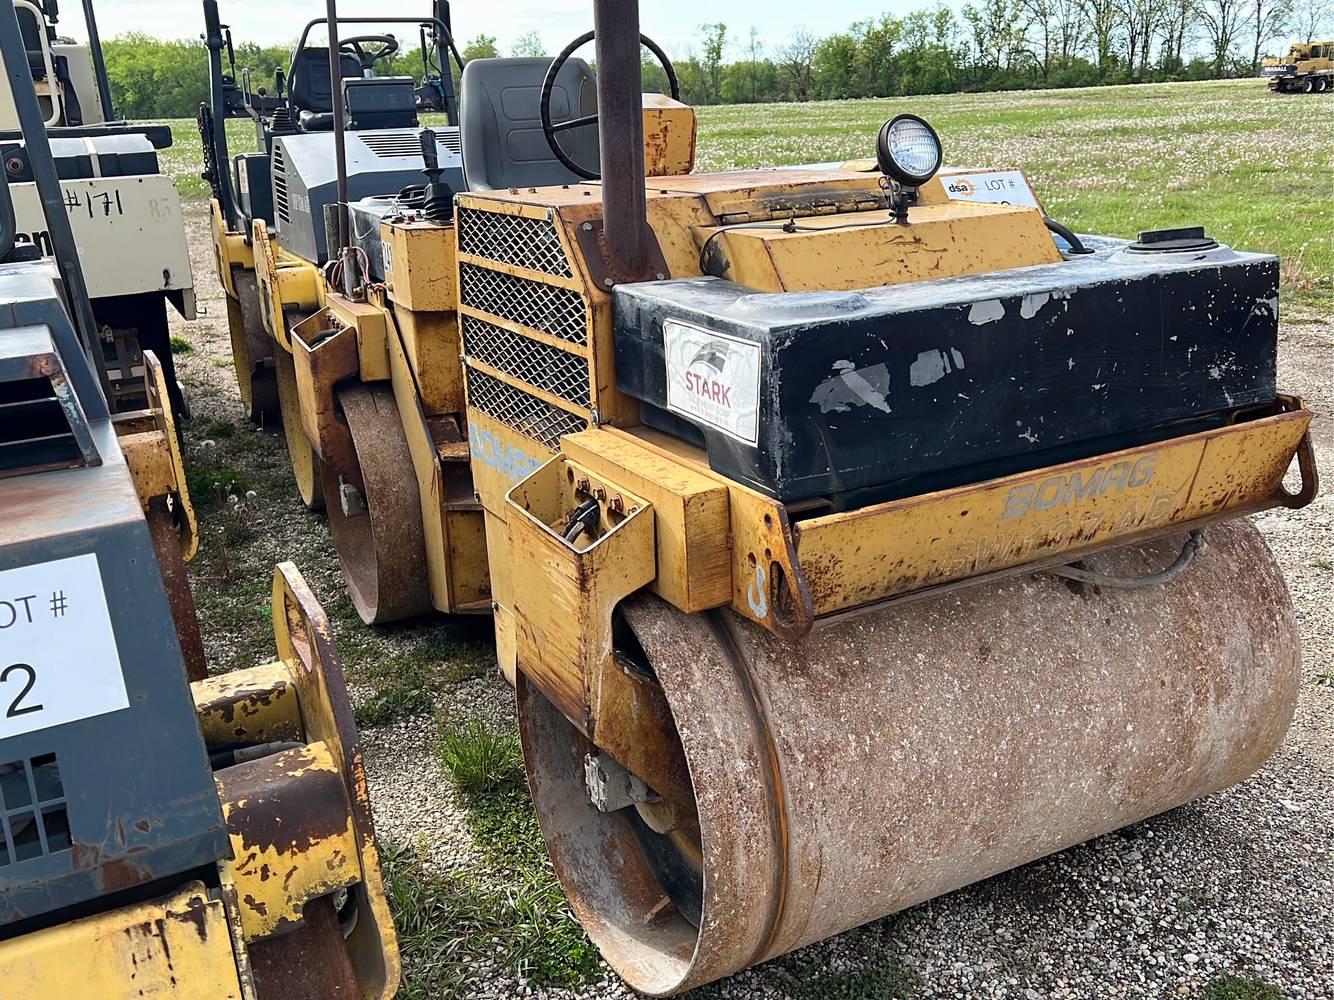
(1061, 491)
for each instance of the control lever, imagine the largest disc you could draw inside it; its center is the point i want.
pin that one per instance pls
(438, 197)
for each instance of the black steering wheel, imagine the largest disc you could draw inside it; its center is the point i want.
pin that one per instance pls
(552, 131)
(388, 48)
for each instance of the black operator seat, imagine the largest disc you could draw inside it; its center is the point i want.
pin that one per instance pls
(501, 125)
(32, 30)
(311, 87)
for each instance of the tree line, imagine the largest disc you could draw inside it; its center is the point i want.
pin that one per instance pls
(999, 45)
(989, 45)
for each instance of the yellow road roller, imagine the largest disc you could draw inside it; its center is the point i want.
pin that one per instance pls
(854, 537)
(163, 833)
(374, 419)
(853, 533)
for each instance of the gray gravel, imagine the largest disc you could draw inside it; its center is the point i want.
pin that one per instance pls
(1239, 883)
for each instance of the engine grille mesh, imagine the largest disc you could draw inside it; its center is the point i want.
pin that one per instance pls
(279, 168)
(530, 243)
(528, 364)
(527, 414)
(558, 312)
(541, 365)
(396, 143)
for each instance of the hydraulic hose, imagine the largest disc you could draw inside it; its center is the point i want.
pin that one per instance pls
(1194, 545)
(1067, 234)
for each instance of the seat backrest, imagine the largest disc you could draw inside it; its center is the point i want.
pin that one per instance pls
(309, 82)
(501, 125)
(33, 33)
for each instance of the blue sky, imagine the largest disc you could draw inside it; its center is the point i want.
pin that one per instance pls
(673, 23)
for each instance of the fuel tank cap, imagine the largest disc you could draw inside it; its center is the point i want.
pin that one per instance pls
(1173, 240)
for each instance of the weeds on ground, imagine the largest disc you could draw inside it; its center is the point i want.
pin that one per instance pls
(478, 758)
(211, 481)
(453, 929)
(1241, 988)
(512, 916)
(406, 683)
(1325, 679)
(179, 345)
(219, 494)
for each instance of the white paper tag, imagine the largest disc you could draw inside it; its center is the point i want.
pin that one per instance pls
(1000, 187)
(58, 657)
(713, 378)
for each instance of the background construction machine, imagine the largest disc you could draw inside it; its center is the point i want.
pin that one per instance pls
(1308, 68)
(162, 833)
(269, 208)
(125, 213)
(369, 415)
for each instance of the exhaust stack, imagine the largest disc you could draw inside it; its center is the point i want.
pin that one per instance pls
(621, 132)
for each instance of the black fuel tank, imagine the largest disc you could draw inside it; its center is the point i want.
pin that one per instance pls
(859, 396)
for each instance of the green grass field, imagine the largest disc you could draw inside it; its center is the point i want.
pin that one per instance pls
(1251, 166)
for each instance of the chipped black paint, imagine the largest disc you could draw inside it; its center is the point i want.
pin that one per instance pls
(898, 390)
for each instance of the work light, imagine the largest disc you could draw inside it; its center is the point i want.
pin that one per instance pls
(908, 150)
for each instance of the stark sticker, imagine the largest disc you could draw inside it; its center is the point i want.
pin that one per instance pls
(713, 378)
(58, 657)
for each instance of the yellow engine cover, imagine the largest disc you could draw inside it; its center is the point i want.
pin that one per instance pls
(868, 249)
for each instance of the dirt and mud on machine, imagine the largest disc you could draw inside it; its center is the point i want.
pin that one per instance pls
(1308, 68)
(125, 213)
(162, 833)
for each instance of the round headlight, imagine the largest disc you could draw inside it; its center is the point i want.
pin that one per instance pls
(908, 150)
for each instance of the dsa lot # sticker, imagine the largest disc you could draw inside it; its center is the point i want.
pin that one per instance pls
(58, 658)
(1001, 187)
(714, 379)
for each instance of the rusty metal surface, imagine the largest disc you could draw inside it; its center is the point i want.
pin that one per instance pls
(292, 836)
(248, 708)
(382, 549)
(305, 463)
(604, 268)
(311, 963)
(171, 564)
(890, 758)
(174, 947)
(305, 646)
(252, 349)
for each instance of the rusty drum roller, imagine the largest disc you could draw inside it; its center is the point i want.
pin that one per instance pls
(375, 514)
(906, 751)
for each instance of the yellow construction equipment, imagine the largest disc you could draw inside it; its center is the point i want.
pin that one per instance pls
(852, 533)
(163, 833)
(1308, 68)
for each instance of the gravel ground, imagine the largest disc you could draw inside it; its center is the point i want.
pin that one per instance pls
(1240, 883)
